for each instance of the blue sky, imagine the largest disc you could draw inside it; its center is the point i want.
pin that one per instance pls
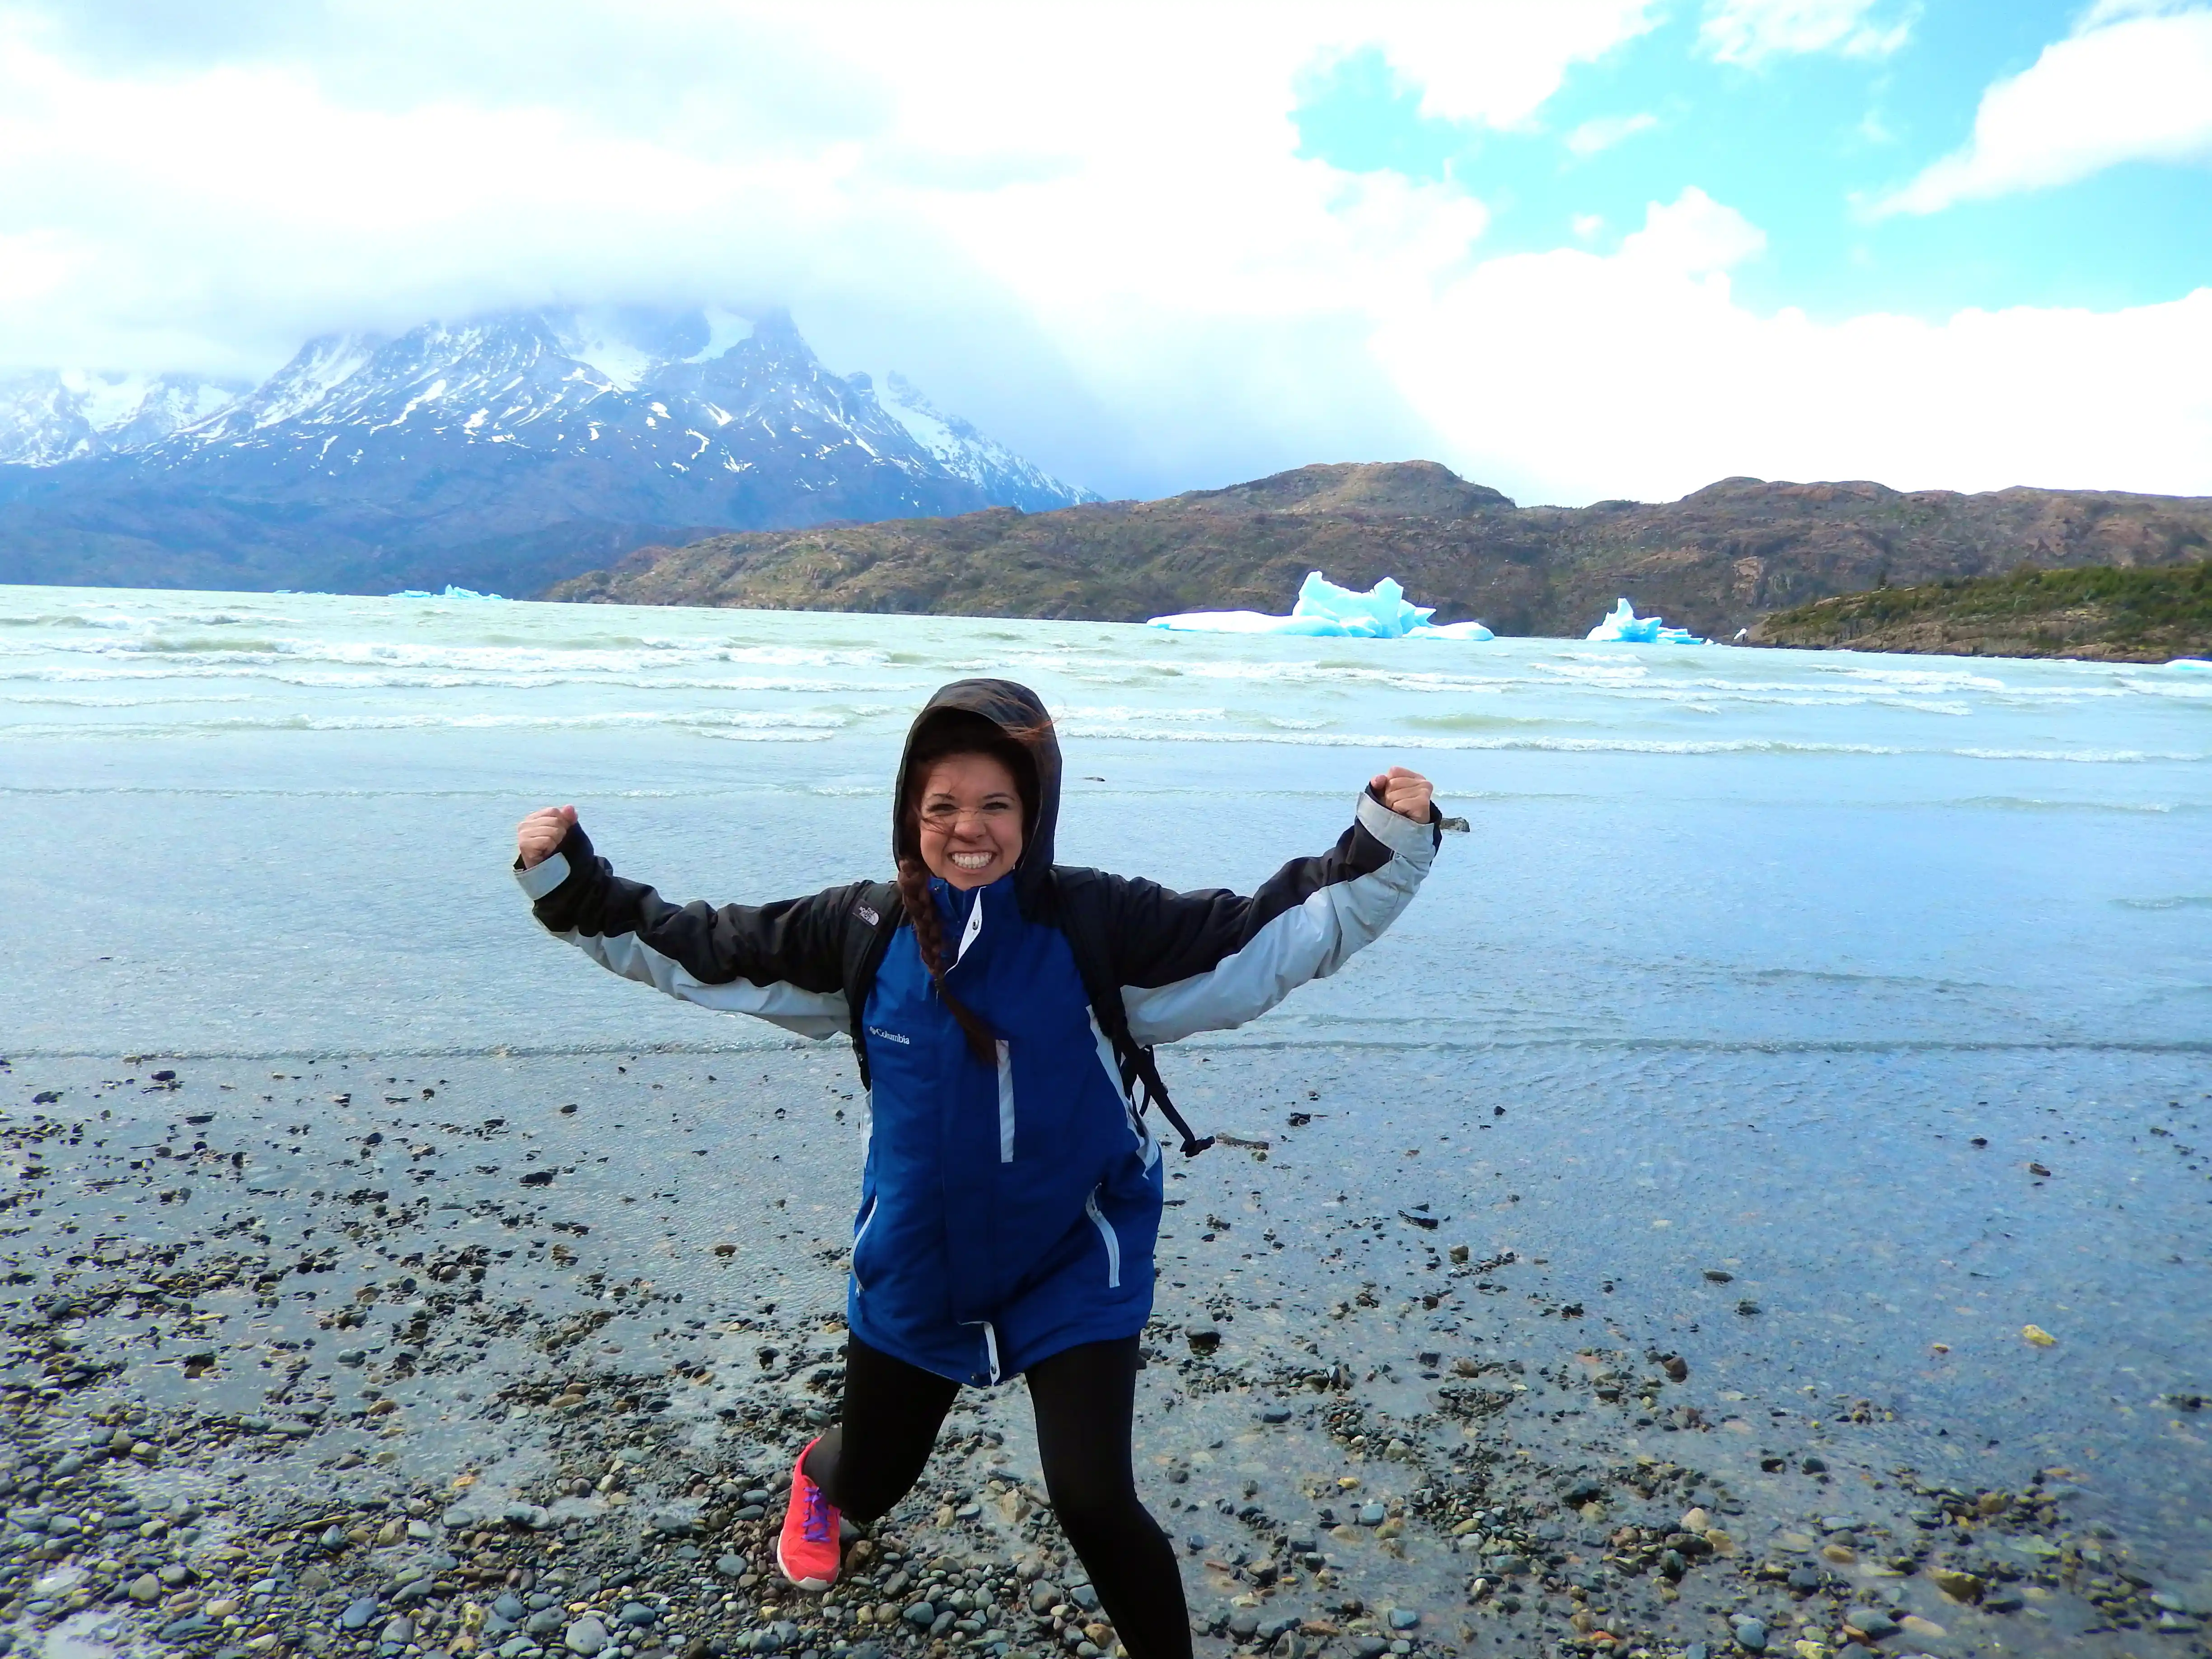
(1575, 249)
(1793, 143)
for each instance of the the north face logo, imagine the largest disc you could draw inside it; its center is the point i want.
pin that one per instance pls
(867, 916)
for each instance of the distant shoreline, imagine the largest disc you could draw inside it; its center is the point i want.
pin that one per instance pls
(2095, 615)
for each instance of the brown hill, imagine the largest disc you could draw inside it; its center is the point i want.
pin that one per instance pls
(1716, 561)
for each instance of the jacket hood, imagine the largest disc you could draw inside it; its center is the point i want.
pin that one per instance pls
(1021, 715)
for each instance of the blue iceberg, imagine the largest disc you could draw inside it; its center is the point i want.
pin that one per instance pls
(1624, 627)
(451, 592)
(1324, 610)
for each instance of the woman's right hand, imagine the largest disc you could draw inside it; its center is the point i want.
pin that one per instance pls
(539, 837)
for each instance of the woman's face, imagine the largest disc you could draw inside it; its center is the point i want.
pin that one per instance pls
(971, 820)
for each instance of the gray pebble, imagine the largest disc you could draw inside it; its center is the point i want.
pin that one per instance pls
(1750, 1635)
(1044, 1597)
(1372, 1515)
(1872, 1620)
(1404, 1619)
(586, 1637)
(358, 1614)
(733, 1566)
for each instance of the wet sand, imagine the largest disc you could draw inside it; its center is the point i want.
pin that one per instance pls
(510, 1354)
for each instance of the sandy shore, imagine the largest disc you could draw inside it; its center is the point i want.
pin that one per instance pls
(510, 1355)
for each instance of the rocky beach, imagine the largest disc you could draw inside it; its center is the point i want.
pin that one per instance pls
(1753, 1200)
(510, 1355)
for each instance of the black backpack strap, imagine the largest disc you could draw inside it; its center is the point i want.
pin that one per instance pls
(1076, 895)
(870, 919)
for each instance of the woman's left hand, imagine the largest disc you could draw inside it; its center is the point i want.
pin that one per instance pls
(1406, 793)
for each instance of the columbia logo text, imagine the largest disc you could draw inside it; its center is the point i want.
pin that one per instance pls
(891, 1036)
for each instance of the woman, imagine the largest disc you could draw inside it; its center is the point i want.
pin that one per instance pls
(1003, 1010)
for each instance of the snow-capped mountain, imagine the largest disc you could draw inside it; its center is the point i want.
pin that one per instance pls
(512, 448)
(51, 416)
(962, 451)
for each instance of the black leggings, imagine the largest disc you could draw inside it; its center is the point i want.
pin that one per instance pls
(1084, 1399)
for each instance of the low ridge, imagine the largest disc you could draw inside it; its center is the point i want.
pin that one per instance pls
(1715, 561)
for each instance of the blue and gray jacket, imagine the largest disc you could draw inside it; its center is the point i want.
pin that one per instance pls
(1009, 1211)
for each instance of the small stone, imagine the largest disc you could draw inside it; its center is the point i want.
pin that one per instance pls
(1042, 1596)
(586, 1637)
(1750, 1635)
(145, 1588)
(1244, 1624)
(1404, 1619)
(1372, 1515)
(1870, 1622)
(358, 1614)
(637, 1615)
(733, 1566)
(398, 1632)
(921, 1615)
(1958, 1586)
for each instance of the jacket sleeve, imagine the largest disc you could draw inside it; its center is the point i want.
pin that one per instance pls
(1209, 960)
(781, 962)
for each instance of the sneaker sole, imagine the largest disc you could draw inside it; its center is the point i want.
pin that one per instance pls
(793, 1578)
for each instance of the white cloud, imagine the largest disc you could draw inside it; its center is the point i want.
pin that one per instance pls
(1565, 376)
(1749, 31)
(1084, 225)
(1603, 132)
(2134, 84)
(1693, 235)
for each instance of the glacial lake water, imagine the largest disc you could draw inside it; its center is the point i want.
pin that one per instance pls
(1797, 966)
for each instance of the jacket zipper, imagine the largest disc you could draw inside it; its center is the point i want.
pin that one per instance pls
(1006, 1102)
(860, 1233)
(1111, 1239)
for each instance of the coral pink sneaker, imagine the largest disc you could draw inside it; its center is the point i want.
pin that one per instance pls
(807, 1551)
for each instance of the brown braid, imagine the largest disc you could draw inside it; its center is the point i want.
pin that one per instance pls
(929, 935)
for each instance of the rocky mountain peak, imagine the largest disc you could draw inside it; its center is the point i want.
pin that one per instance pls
(523, 436)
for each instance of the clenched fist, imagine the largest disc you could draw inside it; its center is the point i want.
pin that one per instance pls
(1406, 793)
(539, 837)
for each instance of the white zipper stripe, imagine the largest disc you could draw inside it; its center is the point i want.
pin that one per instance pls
(1006, 1102)
(860, 1233)
(975, 927)
(1140, 1129)
(1113, 1240)
(991, 1348)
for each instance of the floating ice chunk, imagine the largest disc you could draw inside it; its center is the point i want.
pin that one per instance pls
(1624, 627)
(1324, 610)
(2203, 664)
(451, 592)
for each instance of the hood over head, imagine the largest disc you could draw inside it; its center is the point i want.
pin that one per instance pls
(1021, 716)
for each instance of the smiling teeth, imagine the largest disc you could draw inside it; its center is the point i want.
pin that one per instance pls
(973, 860)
